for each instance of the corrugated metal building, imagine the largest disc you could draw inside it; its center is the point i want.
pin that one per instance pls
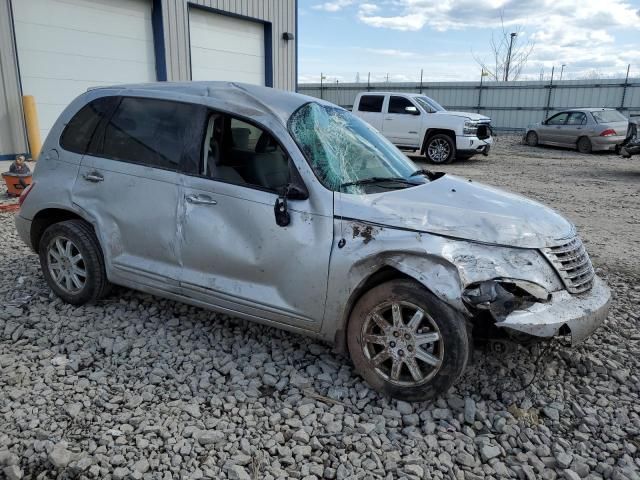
(56, 49)
(511, 105)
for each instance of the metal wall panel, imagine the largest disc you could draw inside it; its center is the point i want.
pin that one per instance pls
(511, 105)
(12, 135)
(280, 13)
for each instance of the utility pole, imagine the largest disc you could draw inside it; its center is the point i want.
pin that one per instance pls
(387, 78)
(322, 77)
(506, 70)
(562, 71)
(624, 88)
(369, 82)
(421, 72)
(549, 95)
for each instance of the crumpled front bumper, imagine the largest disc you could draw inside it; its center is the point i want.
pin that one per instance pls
(582, 314)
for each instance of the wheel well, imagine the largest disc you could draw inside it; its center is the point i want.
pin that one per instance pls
(379, 277)
(44, 219)
(434, 131)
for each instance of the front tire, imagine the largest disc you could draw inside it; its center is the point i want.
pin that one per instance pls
(584, 145)
(440, 149)
(407, 343)
(72, 262)
(532, 139)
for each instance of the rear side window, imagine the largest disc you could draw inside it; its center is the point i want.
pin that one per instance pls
(78, 132)
(156, 133)
(577, 118)
(398, 105)
(371, 103)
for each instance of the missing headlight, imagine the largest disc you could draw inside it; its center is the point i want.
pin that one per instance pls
(501, 297)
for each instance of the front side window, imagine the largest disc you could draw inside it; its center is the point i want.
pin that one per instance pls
(559, 119)
(78, 132)
(608, 116)
(241, 153)
(371, 103)
(347, 154)
(156, 133)
(399, 105)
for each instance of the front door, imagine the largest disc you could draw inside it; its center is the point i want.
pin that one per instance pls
(235, 257)
(128, 185)
(552, 130)
(400, 126)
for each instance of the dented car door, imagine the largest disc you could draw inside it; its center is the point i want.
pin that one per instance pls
(234, 255)
(128, 183)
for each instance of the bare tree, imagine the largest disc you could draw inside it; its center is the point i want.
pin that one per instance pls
(509, 55)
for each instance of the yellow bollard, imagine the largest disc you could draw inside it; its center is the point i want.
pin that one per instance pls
(33, 129)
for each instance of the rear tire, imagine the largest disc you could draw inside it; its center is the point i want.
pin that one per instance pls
(72, 262)
(532, 139)
(440, 149)
(407, 343)
(584, 145)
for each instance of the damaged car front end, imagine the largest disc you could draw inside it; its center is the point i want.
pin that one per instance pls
(504, 265)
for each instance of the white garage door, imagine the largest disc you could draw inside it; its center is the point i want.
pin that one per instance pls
(67, 46)
(226, 48)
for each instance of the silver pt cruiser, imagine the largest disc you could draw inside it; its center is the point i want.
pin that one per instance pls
(287, 210)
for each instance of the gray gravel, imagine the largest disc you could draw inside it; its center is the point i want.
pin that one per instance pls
(140, 387)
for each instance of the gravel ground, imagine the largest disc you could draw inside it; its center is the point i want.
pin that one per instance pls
(140, 387)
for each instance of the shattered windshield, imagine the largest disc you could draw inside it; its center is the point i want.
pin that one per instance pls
(347, 154)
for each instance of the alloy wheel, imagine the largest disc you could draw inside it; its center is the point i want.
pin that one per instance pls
(403, 343)
(66, 265)
(439, 150)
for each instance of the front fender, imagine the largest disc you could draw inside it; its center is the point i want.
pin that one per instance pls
(369, 250)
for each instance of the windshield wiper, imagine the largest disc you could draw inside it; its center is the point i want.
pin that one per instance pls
(427, 173)
(368, 181)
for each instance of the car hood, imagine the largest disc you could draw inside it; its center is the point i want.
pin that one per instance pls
(459, 208)
(469, 115)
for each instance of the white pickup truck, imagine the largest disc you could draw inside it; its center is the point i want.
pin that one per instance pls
(413, 121)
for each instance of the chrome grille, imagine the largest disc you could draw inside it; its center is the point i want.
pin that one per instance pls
(572, 263)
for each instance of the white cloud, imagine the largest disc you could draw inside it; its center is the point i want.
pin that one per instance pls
(334, 6)
(391, 52)
(369, 8)
(564, 31)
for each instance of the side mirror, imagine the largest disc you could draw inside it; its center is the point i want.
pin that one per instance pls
(544, 122)
(412, 110)
(290, 191)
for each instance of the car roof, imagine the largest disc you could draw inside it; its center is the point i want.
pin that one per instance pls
(406, 94)
(588, 109)
(233, 96)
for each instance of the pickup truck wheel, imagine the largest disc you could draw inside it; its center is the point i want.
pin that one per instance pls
(72, 263)
(440, 149)
(532, 139)
(584, 145)
(407, 343)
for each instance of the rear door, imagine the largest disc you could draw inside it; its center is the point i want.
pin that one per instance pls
(369, 108)
(400, 126)
(128, 185)
(234, 255)
(574, 128)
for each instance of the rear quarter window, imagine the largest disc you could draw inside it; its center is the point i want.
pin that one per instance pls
(77, 135)
(371, 103)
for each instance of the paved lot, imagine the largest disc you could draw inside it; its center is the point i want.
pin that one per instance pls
(139, 387)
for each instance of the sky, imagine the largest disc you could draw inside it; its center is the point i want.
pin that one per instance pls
(348, 39)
